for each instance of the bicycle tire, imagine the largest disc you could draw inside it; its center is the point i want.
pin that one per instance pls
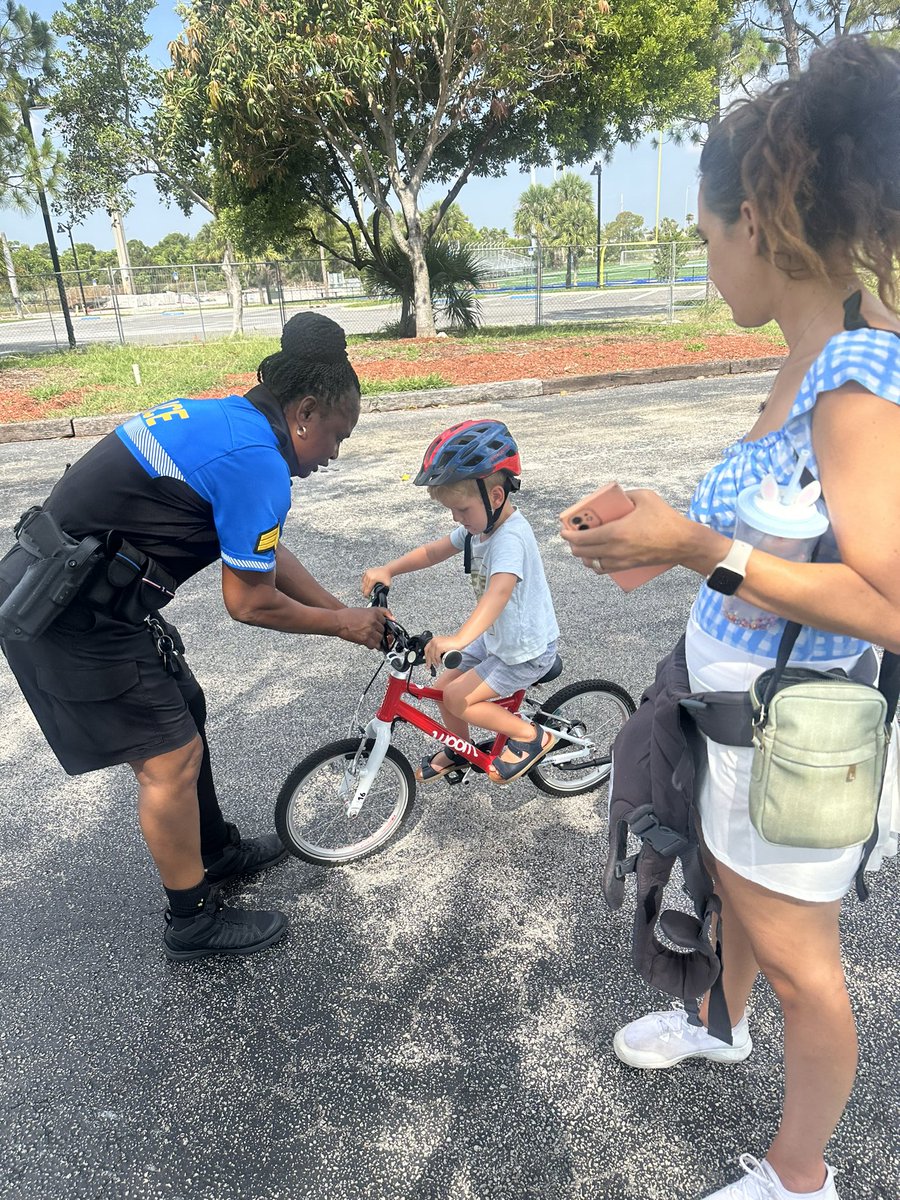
(570, 782)
(297, 815)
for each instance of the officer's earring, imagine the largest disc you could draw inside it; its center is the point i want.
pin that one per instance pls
(301, 431)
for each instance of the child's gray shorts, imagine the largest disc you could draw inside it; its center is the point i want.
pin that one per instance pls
(505, 678)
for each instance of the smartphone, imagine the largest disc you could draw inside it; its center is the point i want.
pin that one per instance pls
(608, 504)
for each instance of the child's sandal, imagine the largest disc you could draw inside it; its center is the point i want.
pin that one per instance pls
(427, 773)
(505, 772)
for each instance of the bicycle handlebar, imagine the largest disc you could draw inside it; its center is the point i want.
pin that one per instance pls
(402, 641)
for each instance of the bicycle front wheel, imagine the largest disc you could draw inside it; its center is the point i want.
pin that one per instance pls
(593, 711)
(311, 810)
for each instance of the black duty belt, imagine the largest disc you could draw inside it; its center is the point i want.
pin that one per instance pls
(104, 572)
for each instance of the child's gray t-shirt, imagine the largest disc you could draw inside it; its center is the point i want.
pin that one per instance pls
(527, 625)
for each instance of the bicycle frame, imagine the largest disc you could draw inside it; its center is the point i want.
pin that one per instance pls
(394, 707)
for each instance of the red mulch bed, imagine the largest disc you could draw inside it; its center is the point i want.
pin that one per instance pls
(569, 356)
(457, 362)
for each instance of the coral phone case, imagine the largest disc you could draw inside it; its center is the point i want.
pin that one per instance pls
(608, 504)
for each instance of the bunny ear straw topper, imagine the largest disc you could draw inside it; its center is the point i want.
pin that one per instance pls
(807, 496)
(788, 512)
(771, 498)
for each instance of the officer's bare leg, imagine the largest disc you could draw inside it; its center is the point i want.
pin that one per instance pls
(168, 812)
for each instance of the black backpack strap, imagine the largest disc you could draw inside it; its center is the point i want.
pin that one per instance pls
(467, 554)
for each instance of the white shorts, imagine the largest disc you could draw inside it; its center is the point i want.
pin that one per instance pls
(722, 798)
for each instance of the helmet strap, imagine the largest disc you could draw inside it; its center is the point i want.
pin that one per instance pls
(493, 514)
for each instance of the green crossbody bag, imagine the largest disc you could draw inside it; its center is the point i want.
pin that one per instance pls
(820, 742)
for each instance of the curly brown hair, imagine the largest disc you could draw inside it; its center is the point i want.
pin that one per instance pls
(818, 156)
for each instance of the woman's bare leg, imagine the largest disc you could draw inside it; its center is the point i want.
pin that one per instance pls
(739, 965)
(169, 815)
(797, 947)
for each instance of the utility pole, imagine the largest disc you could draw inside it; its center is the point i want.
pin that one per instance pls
(11, 275)
(122, 254)
(27, 101)
(597, 169)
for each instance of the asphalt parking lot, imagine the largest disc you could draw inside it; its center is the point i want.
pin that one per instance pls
(438, 1024)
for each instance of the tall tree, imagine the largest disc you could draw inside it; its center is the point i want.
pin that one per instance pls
(105, 109)
(624, 227)
(26, 63)
(777, 36)
(571, 221)
(532, 216)
(398, 94)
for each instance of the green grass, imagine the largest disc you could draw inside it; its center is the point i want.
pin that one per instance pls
(412, 383)
(105, 372)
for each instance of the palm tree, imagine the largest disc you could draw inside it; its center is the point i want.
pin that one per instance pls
(533, 211)
(572, 219)
(455, 274)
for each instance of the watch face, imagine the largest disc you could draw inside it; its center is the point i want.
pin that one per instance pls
(724, 580)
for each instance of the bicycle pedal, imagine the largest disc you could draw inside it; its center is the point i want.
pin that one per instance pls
(457, 776)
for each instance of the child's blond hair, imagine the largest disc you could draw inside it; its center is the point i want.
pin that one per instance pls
(445, 492)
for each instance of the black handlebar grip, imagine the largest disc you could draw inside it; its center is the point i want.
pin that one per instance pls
(452, 659)
(380, 595)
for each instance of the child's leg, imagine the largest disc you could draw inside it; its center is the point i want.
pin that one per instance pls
(468, 700)
(452, 722)
(471, 701)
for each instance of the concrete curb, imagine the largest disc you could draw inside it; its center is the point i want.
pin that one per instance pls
(472, 393)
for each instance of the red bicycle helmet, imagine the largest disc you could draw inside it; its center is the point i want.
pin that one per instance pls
(469, 450)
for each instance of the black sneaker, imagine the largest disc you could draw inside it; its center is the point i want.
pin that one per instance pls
(220, 930)
(244, 856)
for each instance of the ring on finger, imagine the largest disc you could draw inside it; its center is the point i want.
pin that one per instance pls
(596, 564)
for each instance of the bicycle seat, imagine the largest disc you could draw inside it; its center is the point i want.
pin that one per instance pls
(554, 672)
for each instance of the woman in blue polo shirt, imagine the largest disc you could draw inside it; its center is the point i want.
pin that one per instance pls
(183, 485)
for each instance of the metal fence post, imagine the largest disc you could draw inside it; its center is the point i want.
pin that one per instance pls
(279, 285)
(50, 314)
(538, 284)
(115, 303)
(673, 268)
(199, 302)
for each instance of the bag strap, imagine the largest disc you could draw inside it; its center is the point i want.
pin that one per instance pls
(888, 676)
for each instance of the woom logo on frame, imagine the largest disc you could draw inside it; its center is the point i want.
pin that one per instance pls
(455, 743)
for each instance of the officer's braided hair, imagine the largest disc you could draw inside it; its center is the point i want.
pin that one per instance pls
(312, 361)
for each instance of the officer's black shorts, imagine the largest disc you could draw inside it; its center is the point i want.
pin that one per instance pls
(102, 694)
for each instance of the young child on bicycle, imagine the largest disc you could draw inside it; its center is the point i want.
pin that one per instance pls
(510, 639)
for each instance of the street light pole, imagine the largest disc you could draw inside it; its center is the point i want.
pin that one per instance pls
(68, 230)
(48, 226)
(597, 170)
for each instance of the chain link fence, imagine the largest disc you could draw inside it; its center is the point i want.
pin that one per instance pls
(540, 285)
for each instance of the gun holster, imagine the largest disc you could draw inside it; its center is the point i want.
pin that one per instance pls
(60, 568)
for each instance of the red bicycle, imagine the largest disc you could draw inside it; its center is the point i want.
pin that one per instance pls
(346, 800)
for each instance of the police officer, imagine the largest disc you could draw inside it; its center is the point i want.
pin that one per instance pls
(166, 494)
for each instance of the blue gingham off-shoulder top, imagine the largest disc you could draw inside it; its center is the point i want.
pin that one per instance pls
(870, 357)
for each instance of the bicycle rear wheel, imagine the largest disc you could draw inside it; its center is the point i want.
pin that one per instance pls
(594, 710)
(311, 809)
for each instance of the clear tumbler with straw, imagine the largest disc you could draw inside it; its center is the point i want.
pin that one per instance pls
(785, 521)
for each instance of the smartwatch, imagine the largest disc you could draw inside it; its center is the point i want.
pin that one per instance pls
(728, 575)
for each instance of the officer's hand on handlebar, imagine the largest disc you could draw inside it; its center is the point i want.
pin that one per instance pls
(373, 576)
(364, 626)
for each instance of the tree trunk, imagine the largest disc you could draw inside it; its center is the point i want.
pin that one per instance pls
(235, 292)
(791, 38)
(425, 326)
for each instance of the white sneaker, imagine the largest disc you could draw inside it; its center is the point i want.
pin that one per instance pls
(761, 1183)
(664, 1039)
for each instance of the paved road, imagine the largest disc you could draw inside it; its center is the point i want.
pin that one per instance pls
(438, 1025)
(186, 323)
